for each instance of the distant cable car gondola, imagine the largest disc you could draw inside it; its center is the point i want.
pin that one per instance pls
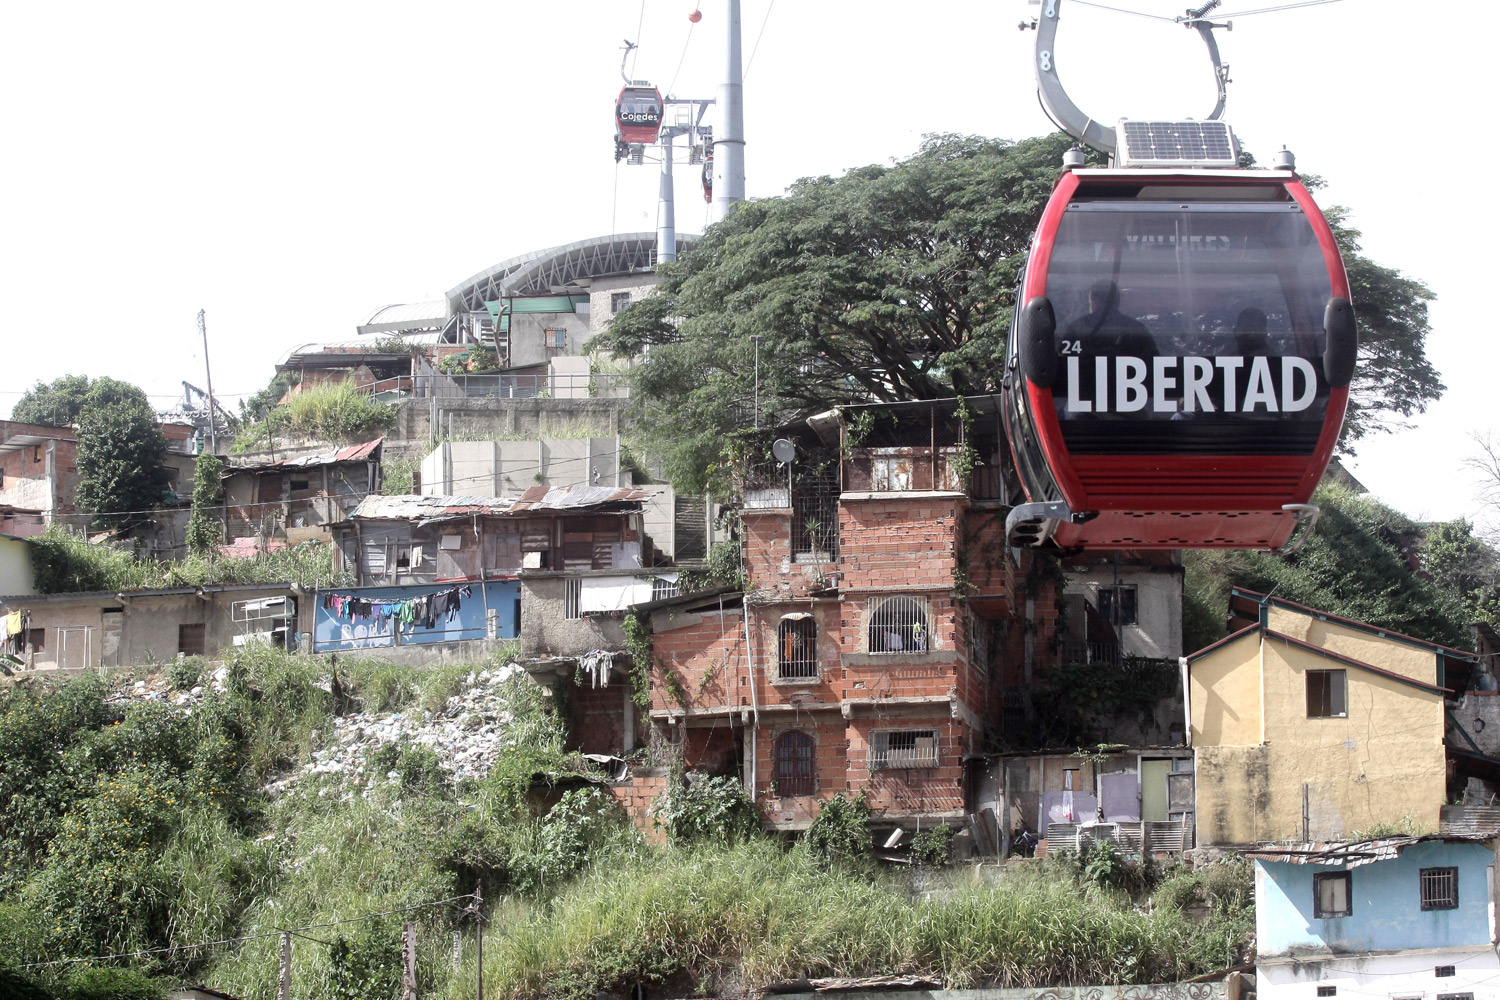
(1180, 361)
(638, 114)
(708, 176)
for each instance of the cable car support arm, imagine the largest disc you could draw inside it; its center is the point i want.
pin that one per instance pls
(1067, 114)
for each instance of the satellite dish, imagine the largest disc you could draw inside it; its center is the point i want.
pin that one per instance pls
(784, 450)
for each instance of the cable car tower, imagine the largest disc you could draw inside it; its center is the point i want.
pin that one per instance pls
(642, 117)
(1179, 361)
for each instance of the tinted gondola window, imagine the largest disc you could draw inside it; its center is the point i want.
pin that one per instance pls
(1209, 314)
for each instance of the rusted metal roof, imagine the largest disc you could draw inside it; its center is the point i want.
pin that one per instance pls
(1352, 854)
(536, 499)
(350, 453)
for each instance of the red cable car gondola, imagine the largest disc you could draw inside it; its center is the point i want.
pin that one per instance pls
(638, 114)
(1179, 364)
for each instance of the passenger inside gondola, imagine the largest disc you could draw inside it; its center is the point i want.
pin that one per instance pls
(1105, 330)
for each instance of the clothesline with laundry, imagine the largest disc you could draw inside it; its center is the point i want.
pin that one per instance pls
(16, 627)
(424, 611)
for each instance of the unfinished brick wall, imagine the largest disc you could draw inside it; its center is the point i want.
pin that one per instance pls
(897, 542)
(704, 654)
(596, 718)
(906, 791)
(769, 564)
(830, 765)
(637, 793)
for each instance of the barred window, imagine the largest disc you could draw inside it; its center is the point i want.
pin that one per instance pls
(572, 597)
(903, 748)
(662, 588)
(897, 625)
(797, 647)
(1439, 888)
(1331, 896)
(794, 763)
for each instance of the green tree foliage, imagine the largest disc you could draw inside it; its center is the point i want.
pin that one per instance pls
(256, 407)
(892, 283)
(1359, 564)
(840, 833)
(1393, 378)
(56, 403)
(205, 530)
(706, 807)
(120, 453)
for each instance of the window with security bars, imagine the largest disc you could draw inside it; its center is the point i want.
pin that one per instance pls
(897, 625)
(1331, 896)
(905, 748)
(1439, 888)
(662, 588)
(794, 763)
(797, 647)
(1328, 991)
(618, 301)
(572, 597)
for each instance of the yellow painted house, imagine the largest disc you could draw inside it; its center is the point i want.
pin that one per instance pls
(1307, 726)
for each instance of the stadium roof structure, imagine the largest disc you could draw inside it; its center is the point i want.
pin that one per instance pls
(554, 270)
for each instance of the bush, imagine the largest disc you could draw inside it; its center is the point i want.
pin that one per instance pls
(185, 673)
(840, 834)
(932, 847)
(112, 984)
(706, 808)
(333, 411)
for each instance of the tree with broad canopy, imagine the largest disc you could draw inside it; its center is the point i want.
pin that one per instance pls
(898, 282)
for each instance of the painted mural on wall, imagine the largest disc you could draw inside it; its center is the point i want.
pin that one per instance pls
(370, 617)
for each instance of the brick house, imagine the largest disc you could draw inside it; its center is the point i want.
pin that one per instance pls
(885, 629)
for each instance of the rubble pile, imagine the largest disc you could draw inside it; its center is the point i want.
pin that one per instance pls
(466, 734)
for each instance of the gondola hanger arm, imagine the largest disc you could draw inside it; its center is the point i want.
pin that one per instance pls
(1067, 114)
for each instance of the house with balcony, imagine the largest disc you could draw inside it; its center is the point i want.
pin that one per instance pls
(882, 627)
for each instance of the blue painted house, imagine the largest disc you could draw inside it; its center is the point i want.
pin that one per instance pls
(1397, 917)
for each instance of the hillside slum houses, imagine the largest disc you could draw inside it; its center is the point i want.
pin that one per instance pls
(294, 498)
(540, 567)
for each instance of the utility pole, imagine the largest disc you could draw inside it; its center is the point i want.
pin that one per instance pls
(284, 973)
(409, 961)
(213, 414)
(478, 942)
(729, 143)
(666, 229)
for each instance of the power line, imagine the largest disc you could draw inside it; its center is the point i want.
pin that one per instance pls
(1122, 10)
(685, 43)
(635, 53)
(756, 47)
(1268, 10)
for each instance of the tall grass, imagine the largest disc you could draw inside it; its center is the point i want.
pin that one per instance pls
(333, 411)
(753, 914)
(65, 562)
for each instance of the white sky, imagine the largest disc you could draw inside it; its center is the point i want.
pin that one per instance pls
(289, 167)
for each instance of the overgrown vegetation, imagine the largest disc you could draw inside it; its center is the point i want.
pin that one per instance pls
(334, 411)
(398, 476)
(1357, 564)
(141, 826)
(64, 562)
(205, 530)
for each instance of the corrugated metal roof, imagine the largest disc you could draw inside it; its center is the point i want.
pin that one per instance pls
(1352, 854)
(349, 453)
(538, 498)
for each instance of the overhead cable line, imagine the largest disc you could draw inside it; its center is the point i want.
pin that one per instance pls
(636, 50)
(685, 43)
(756, 47)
